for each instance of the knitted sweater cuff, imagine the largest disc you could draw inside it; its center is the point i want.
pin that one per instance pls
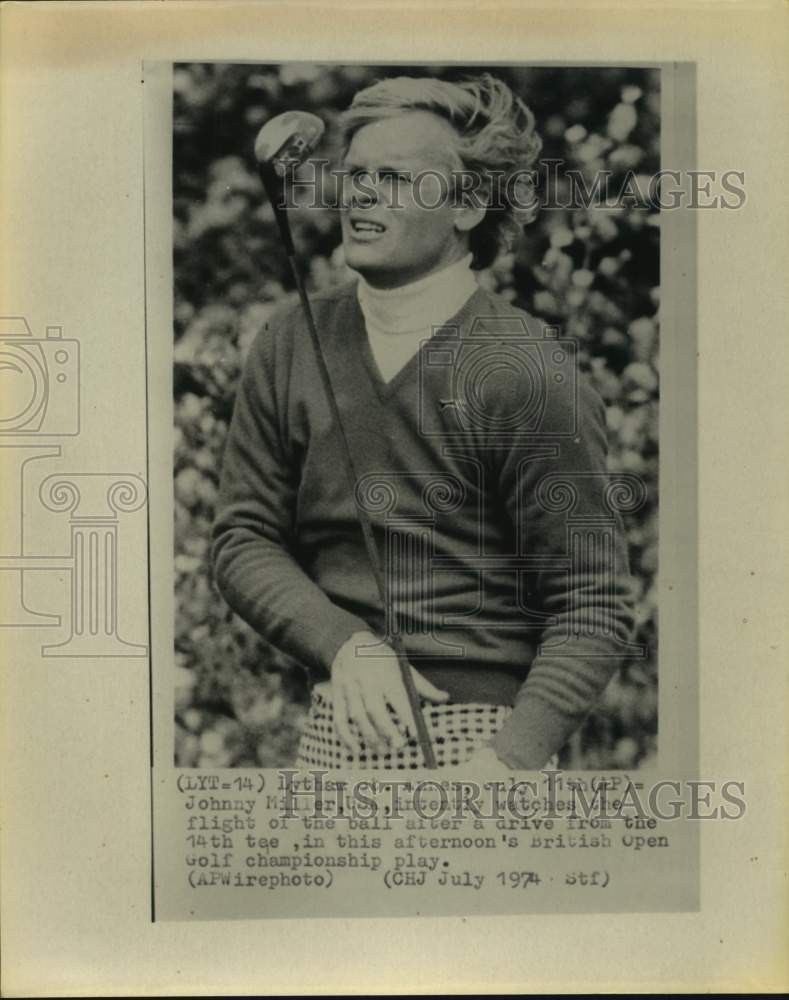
(533, 733)
(324, 634)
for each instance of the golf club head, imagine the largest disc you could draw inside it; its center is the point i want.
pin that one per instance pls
(288, 140)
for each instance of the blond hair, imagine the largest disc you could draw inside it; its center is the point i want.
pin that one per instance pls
(496, 135)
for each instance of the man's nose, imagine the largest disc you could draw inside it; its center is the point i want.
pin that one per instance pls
(363, 190)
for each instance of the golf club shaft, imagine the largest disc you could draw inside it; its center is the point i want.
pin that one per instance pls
(365, 524)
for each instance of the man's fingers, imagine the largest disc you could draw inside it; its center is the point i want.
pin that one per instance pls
(426, 689)
(402, 707)
(358, 714)
(365, 702)
(379, 713)
(340, 712)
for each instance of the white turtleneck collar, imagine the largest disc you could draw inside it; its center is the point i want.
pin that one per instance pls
(398, 319)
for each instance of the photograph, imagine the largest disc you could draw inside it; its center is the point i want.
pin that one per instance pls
(416, 390)
(384, 407)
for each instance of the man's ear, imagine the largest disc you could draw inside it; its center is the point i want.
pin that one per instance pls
(468, 217)
(471, 206)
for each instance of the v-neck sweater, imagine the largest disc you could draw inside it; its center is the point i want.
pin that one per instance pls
(482, 589)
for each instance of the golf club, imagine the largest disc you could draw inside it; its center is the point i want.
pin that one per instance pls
(281, 145)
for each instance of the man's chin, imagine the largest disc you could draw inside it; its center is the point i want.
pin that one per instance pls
(368, 261)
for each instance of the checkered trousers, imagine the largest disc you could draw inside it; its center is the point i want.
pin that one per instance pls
(456, 732)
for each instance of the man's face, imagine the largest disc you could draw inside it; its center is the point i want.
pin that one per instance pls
(389, 234)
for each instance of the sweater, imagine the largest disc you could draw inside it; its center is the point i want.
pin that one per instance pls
(468, 495)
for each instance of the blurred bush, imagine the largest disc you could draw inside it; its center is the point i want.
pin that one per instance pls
(594, 272)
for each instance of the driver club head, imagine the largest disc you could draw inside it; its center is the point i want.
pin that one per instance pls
(288, 140)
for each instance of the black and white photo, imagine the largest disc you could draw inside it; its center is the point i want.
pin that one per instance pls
(445, 453)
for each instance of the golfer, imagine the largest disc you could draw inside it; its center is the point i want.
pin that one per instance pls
(479, 450)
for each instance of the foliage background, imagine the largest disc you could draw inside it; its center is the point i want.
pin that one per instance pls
(240, 702)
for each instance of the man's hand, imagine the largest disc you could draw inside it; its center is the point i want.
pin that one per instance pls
(486, 763)
(364, 685)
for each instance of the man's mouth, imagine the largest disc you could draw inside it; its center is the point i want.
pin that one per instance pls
(366, 228)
